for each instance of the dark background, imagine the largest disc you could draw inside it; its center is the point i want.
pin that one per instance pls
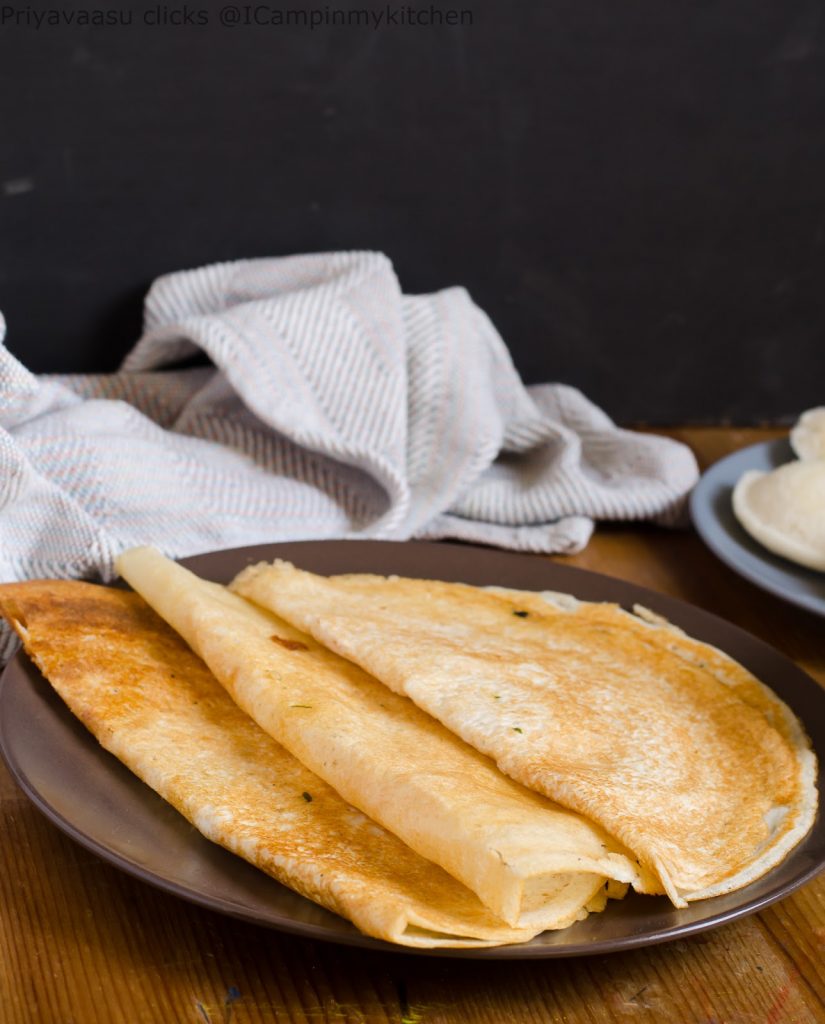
(635, 192)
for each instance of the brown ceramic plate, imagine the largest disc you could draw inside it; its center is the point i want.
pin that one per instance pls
(89, 795)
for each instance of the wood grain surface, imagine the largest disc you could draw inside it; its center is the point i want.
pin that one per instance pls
(81, 943)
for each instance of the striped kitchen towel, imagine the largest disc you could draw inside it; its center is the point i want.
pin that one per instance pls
(336, 407)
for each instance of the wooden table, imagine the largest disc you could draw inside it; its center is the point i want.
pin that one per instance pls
(81, 943)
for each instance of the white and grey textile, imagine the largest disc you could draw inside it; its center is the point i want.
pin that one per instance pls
(336, 407)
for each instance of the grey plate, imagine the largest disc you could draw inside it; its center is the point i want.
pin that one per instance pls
(91, 796)
(712, 513)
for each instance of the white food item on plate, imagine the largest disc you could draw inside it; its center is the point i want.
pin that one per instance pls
(784, 510)
(808, 435)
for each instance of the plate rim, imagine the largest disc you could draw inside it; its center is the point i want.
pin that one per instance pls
(20, 665)
(701, 505)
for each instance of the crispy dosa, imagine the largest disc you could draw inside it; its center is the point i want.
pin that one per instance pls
(531, 862)
(150, 701)
(673, 748)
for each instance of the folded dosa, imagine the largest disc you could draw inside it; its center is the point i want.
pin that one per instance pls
(151, 702)
(671, 746)
(533, 863)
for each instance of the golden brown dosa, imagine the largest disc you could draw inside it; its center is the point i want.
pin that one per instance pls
(677, 751)
(530, 861)
(150, 701)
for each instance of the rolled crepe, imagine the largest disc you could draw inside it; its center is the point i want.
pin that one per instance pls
(151, 702)
(531, 862)
(672, 747)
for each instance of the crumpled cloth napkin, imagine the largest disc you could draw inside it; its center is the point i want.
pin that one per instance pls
(337, 407)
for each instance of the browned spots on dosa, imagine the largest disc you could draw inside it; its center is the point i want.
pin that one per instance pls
(291, 645)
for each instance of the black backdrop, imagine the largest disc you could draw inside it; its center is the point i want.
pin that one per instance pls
(635, 192)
